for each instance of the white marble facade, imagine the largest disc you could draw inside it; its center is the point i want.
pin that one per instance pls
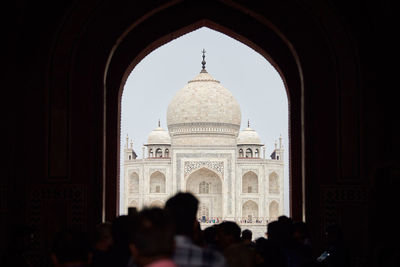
(204, 152)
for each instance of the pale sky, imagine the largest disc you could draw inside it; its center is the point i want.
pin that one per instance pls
(253, 81)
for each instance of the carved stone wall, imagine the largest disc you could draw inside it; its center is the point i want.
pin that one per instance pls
(191, 166)
(66, 203)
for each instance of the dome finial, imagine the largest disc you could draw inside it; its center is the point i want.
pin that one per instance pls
(159, 125)
(204, 61)
(248, 123)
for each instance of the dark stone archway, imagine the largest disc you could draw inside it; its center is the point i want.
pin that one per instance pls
(65, 70)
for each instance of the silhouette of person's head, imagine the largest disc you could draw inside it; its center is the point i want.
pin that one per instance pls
(152, 236)
(227, 233)
(103, 236)
(183, 208)
(120, 234)
(210, 235)
(70, 246)
(273, 230)
(300, 232)
(247, 236)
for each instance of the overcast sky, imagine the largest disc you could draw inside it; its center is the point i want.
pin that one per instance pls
(253, 81)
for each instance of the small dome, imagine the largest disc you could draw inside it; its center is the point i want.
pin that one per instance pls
(248, 137)
(159, 136)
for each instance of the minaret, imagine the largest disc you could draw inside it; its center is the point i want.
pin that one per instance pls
(278, 151)
(129, 153)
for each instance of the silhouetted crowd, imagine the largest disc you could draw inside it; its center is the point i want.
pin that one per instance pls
(171, 237)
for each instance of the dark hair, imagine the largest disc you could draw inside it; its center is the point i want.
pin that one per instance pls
(120, 232)
(247, 234)
(210, 234)
(103, 231)
(230, 228)
(183, 208)
(152, 233)
(300, 227)
(71, 245)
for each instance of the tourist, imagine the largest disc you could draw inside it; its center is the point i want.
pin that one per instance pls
(236, 253)
(70, 248)
(152, 238)
(183, 208)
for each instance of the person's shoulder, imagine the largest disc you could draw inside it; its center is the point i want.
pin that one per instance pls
(214, 257)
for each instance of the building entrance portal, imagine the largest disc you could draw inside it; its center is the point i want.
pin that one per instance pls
(206, 185)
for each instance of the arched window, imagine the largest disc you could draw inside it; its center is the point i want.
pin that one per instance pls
(273, 183)
(249, 153)
(250, 182)
(157, 182)
(204, 188)
(256, 154)
(159, 153)
(210, 181)
(129, 157)
(151, 153)
(240, 153)
(273, 210)
(250, 210)
(167, 153)
(133, 186)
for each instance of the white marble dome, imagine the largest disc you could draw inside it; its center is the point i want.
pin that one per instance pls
(248, 137)
(204, 102)
(158, 136)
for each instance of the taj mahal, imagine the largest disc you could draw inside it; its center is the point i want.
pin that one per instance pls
(205, 152)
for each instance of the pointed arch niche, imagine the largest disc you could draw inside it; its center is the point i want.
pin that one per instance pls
(250, 210)
(157, 182)
(129, 51)
(250, 182)
(206, 185)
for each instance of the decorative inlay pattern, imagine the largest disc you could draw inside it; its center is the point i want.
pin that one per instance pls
(190, 166)
(72, 198)
(332, 196)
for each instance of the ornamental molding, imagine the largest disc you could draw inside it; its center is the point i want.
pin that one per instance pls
(203, 127)
(244, 171)
(255, 200)
(191, 166)
(153, 170)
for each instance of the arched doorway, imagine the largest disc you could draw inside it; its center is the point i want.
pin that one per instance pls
(291, 69)
(250, 211)
(157, 182)
(273, 210)
(206, 185)
(133, 183)
(273, 183)
(250, 182)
